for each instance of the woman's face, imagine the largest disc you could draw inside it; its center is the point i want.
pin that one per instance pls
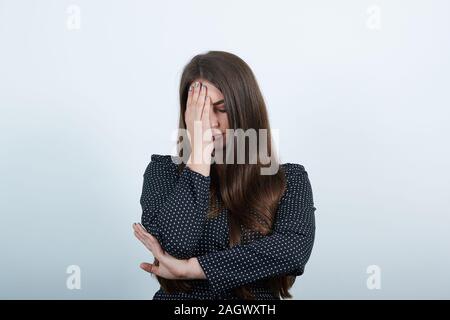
(218, 117)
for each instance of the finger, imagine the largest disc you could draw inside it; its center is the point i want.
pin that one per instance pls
(149, 240)
(151, 243)
(190, 95)
(150, 246)
(141, 230)
(142, 239)
(137, 227)
(196, 92)
(145, 241)
(206, 109)
(151, 268)
(146, 234)
(200, 103)
(157, 250)
(140, 234)
(201, 97)
(146, 266)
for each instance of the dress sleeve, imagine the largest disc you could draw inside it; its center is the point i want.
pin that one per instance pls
(285, 251)
(174, 207)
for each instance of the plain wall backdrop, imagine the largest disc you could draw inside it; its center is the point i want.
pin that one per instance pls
(359, 91)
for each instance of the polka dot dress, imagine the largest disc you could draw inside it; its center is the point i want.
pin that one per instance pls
(174, 210)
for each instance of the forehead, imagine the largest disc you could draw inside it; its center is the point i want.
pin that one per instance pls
(213, 91)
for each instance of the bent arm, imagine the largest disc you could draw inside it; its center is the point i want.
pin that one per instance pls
(285, 251)
(174, 208)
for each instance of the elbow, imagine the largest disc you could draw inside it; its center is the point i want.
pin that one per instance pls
(303, 248)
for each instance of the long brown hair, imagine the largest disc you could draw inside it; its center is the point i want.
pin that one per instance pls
(251, 198)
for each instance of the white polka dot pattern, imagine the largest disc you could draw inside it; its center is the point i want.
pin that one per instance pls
(175, 208)
(285, 251)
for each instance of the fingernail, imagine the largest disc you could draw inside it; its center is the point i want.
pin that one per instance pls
(196, 84)
(190, 88)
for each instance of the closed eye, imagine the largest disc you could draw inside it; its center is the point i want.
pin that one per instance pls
(221, 110)
(218, 103)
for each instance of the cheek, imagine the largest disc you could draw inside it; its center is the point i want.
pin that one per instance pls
(223, 120)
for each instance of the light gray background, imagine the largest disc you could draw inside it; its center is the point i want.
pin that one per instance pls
(365, 110)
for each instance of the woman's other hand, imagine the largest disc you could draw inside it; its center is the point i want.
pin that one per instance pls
(169, 267)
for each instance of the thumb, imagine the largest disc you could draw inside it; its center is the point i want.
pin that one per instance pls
(150, 268)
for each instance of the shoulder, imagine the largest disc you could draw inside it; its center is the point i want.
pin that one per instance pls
(291, 168)
(294, 172)
(162, 163)
(164, 159)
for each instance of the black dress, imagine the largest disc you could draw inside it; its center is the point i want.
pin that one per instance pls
(174, 211)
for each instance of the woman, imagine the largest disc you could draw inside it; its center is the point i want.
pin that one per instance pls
(219, 228)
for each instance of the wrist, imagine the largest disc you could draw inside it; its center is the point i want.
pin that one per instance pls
(202, 168)
(194, 270)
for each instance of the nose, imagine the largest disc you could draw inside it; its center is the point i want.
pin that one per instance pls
(213, 121)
